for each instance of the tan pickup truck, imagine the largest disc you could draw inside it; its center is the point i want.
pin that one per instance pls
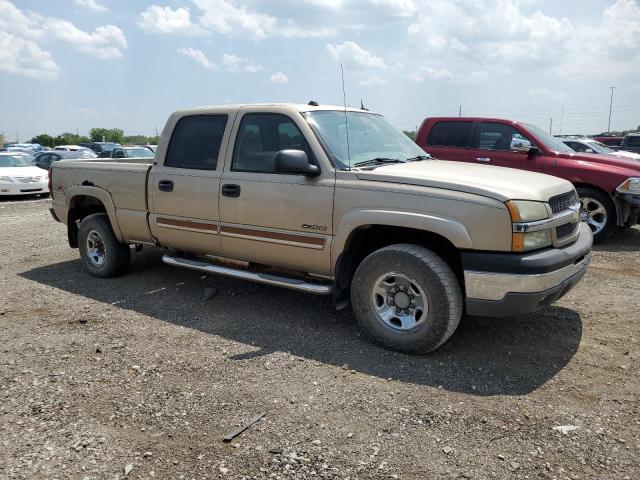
(332, 201)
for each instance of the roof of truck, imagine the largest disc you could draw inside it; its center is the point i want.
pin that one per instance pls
(301, 107)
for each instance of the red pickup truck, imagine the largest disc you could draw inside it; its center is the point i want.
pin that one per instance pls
(609, 187)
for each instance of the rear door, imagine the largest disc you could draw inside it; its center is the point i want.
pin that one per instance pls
(493, 145)
(183, 191)
(450, 140)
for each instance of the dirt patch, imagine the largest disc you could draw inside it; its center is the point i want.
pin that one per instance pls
(148, 373)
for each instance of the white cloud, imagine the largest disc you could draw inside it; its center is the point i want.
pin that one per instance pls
(226, 17)
(429, 73)
(158, 19)
(198, 56)
(28, 30)
(104, 42)
(279, 78)
(354, 55)
(233, 63)
(373, 81)
(546, 94)
(91, 5)
(26, 58)
(507, 33)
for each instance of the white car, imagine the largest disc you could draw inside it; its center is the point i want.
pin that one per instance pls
(18, 176)
(589, 145)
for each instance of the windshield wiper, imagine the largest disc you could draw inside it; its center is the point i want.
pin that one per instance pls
(419, 157)
(377, 161)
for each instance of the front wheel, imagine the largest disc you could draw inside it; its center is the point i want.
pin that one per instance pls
(598, 211)
(406, 298)
(101, 253)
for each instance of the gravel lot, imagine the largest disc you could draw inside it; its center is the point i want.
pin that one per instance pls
(144, 375)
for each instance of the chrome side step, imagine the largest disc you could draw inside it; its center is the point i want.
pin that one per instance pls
(265, 278)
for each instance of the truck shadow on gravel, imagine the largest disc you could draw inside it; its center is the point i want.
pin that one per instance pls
(485, 357)
(625, 240)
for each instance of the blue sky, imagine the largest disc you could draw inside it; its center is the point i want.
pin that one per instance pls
(68, 64)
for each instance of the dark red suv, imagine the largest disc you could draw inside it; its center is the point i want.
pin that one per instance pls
(609, 187)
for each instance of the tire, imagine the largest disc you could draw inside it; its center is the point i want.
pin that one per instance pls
(101, 253)
(598, 207)
(388, 271)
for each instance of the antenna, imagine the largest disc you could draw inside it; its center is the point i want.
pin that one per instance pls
(346, 120)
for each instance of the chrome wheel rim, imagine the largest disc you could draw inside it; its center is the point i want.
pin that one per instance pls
(399, 302)
(96, 250)
(593, 213)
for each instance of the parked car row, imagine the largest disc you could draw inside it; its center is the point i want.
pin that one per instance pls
(589, 145)
(630, 142)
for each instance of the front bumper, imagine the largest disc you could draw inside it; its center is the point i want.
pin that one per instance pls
(505, 284)
(17, 188)
(628, 209)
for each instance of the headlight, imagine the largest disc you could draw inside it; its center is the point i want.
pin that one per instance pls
(6, 179)
(522, 212)
(527, 211)
(630, 185)
(521, 242)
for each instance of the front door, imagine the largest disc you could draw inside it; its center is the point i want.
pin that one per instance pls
(184, 189)
(277, 219)
(493, 145)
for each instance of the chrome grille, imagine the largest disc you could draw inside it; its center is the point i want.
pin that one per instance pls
(562, 202)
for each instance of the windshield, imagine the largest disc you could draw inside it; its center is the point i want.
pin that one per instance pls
(139, 152)
(549, 141)
(599, 147)
(15, 161)
(370, 137)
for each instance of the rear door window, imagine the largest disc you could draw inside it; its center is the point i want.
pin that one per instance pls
(196, 142)
(450, 134)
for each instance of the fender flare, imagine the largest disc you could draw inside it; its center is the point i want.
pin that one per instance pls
(105, 199)
(452, 230)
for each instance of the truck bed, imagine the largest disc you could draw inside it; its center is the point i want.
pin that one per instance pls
(123, 180)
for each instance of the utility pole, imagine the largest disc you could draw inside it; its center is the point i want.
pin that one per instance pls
(550, 126)
(561, 119)
(460, 111)
(610, 108)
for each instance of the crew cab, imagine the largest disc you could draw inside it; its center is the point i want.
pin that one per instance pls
(608, 186)
(331, 201)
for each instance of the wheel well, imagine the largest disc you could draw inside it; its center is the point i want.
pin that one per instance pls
(80, 207)
(367, 239)
(593, 187)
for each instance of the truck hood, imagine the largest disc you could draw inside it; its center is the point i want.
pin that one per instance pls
(499, 183)
(613, 160)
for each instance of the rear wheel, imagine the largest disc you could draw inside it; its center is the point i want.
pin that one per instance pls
(101, 253)
(406, 298)
(598, 211)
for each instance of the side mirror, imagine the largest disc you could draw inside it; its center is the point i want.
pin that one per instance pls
(294, 162)
(588, 150)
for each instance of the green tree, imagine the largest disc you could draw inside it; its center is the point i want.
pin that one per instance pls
(410, 134)
(107, 135)
(44, 140)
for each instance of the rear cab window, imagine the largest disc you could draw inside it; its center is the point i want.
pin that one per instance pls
(196, 141)
(450, 134)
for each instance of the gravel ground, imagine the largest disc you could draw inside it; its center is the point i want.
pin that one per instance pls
(143, 375)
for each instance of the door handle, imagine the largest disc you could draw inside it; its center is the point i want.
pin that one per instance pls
(231, 190)
(483, 159)
(165, 185)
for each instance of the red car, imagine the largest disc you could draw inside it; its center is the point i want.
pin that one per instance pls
(608, 186)
(610, 140)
